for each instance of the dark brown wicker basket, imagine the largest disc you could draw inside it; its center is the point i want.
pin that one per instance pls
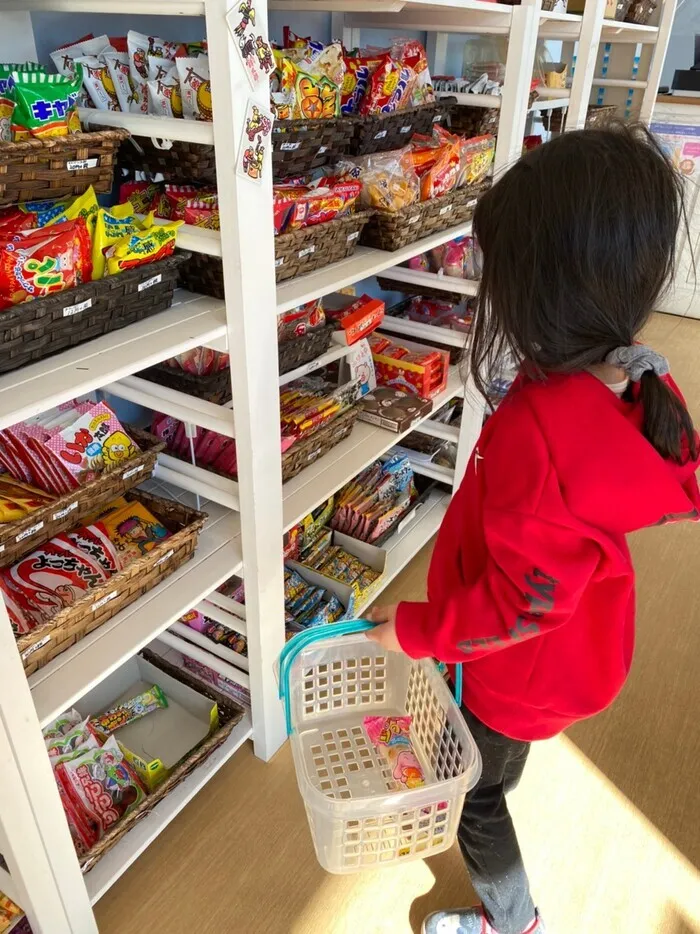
(181, 162)
(100, 604)
(640, 12)
(621, 9)
(473, 121)
(38, 329)
(229, 715)
(381, 132)
(393, 231)
(20, 537)
(309, 450)
(408, 288)
(299, 146)
(312, 248)
(213, 387)
(300, 350)
(55, 168)
(597, 115)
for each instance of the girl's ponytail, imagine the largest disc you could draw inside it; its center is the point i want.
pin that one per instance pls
(667, 423)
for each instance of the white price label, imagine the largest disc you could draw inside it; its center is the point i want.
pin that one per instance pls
(76, 165)
(149, 283)
(438, 118)
(406, 129)
(30, 531)
(472, 203)
(353, 236)
(132, 472)
(168, 554)
(289, 147)
(74, 309)
(35, 648)
(2, 548)
(64, 512)
(322, 149)
(381, 134)
(448, 207)
(413, 220)
(279, 262)
(98, 603)
(306, 252)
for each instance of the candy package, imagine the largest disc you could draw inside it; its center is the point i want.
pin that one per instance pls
(65, 744)
(142, 196)
(330, 199)
(411, 52)
(139, 48)
(129, 710)
(45, 105)
(64, 57)
(142, 246)
(390, 88)
(195, 87)
(390, 736)
(476, 158)
(299, 94)
(358, 73)
(93, 443)
(389, 180)
(98, 82)
(62, 725)
(135, 531)
(300, 321)
(120, 76)
(164, 98)
(111, 225)
(102, 784)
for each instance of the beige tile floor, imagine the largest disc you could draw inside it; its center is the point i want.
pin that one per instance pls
(609, 815)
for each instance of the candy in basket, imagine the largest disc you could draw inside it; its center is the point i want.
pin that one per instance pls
(382, 754)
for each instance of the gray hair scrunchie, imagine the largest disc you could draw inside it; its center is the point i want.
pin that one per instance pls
(638, 359)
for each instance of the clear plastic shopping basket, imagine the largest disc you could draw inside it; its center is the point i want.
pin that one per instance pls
(331, 678)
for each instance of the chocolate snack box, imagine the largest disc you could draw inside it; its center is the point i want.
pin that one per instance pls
(393, 409)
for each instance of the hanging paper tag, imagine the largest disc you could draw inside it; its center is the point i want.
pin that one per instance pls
(361, 366)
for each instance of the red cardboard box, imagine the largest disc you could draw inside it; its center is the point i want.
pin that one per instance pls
(412, 367)
(355, 317)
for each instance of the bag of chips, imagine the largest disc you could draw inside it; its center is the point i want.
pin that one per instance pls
(45, 105)
(390, 88)
(142, 246)
(110, 227)
(97, 81)
(164, 99)
(195, 87)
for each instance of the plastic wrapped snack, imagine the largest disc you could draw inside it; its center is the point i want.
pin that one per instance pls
(120, 75)
(195, 87)
(142, 246)
(129, 710)
(389, 180)
(300, 321)
(329, 199)
(164, 98)
(390, 88)
(45, 105)
(476, 159)
(390, 736)
(97, 81)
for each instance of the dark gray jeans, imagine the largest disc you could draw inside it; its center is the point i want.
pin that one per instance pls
(487, 836)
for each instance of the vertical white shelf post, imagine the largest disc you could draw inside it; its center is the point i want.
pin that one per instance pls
(248, 254)
(473, 411)
(586, 59)
(658, 55)
(522, 44)
(37, 845)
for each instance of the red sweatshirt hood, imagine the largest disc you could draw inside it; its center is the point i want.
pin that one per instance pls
(531, 582)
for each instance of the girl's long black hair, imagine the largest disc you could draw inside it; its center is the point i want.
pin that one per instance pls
(579, 244)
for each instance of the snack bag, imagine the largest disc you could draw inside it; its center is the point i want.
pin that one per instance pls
(64, 744)
(195, 87)
(476, 156)
(142, 246)
(134, 531)
(137, 46)
(64, 58)
(98, 82)
(102, 784)
(110, 226)
(390, 736)
(412, 53)
(9, 912)
(129, 710)
(120, 76)
(85, 206)
(327, 62)
(92, 443)
(34, 263)
(390, 88)
(45, 104)
(164, 99)
(389, 181)
(358, 73)
(443, 176)
(142, 196)
(96, 544)
(202, 214)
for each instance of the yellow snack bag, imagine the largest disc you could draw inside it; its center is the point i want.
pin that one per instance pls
(142, 246)
(84, 206)
(99, 514)
(111, 225)
(134, 530)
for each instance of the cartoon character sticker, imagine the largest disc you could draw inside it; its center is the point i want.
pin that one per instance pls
(255, 141)
(251, 42)
(247, 12)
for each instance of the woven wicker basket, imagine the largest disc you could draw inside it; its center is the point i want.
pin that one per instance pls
(640, 12)
(229, 715)
(100, 604)
(180, 162)
(621, 9)
(300, 350)
(55, 168)
(381, 132)
(38, 329)
(213, 387)
(311, 248)
(299, 146)
(310, 449)
(597, 115)
(24, 535)
(408, 288)
(394, 231)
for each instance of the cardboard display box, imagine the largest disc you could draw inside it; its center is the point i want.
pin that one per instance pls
(156, 743)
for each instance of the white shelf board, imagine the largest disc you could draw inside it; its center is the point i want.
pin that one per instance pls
(57, 686)
(379, 7)
(424, 332)
(131, 7)
(188, 131)
(405, 544)
(554, 103)
(473, 100)
(433, 280)
(365, 444)
(335, 352)
(7, 886)
(628, 32)
(363, 264)
(100, 879)
(192, 321)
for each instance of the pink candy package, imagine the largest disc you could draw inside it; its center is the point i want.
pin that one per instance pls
(210, 448)
(200, 361)
(390, 736)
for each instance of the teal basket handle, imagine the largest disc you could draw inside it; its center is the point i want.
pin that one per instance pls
(316, 634)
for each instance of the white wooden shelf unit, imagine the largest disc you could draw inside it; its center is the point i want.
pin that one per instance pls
(247, 519)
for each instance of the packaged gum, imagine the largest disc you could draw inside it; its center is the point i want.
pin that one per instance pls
(129, 710)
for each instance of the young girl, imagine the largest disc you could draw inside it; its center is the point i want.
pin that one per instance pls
(531, 582)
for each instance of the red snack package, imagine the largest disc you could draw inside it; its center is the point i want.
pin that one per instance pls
(34, 263)
(202, 214)
(143, 196)
(358, 318)
(390, 88)
(296, 323)
(358, 73)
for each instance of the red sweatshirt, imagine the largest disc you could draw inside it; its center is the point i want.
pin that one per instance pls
(531, 582)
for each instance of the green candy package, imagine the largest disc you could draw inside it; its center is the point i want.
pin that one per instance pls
(45, 105)
(7, 100)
